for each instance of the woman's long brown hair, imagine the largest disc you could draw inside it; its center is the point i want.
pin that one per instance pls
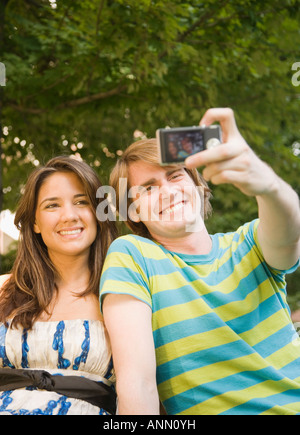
(32, 284)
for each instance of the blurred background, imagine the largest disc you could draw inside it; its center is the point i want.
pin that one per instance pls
(87, 78)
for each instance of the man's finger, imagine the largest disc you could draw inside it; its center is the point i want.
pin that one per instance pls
(225, 116)
(213, 155)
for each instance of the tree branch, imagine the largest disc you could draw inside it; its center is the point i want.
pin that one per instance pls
(73, 103)
(91, 98)
(208, 15)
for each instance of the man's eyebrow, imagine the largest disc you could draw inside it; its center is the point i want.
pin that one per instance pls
(173, 170)
(168, 173)
(56, 198)
(149, 182)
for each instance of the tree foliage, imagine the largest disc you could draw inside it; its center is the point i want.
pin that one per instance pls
(83, 76)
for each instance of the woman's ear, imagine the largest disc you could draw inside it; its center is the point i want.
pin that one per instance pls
(36, 228)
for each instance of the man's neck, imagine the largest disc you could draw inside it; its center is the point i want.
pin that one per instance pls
(199, 243)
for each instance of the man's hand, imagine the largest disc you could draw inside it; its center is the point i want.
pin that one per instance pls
(233, 162)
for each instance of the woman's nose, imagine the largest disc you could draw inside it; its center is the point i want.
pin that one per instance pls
(69, 213)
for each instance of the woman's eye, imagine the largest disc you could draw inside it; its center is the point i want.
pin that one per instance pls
(83, 202)
(49, 206)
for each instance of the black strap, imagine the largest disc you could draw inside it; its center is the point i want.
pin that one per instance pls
(76, 387)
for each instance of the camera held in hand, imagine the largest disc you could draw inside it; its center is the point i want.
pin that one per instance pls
(176, 144)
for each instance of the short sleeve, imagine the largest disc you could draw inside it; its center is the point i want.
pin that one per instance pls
(251, 235)
(124, 271)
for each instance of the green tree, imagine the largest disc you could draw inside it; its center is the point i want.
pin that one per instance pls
(83, 76)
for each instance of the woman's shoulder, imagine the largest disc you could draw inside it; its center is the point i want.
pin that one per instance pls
(4, 279)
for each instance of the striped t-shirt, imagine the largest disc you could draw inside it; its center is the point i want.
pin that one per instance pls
(224, 339)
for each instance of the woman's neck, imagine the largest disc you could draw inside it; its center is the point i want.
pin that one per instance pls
(73, 272)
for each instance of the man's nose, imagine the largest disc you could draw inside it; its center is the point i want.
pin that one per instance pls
(167, 191)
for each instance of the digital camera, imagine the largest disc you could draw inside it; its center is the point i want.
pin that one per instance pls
(176, 144)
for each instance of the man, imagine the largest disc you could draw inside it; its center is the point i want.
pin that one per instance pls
(204, 316)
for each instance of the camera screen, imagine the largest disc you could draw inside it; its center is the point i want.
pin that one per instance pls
(180, 145)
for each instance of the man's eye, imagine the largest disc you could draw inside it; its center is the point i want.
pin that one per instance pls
(176, 176)
(145, 190)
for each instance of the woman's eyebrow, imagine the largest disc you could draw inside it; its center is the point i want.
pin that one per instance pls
(56, 198)
(79, 195)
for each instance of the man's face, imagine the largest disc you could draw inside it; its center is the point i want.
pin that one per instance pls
(187, 146)
(165, 199)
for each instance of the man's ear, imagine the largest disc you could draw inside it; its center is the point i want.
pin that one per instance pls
(133, 214)
(134, 208)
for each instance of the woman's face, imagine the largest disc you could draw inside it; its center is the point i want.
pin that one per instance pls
(64, 216)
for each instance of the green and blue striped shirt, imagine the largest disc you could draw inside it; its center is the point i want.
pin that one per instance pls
(224, 339)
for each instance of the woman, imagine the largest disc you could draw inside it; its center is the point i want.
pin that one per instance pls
(54, 353)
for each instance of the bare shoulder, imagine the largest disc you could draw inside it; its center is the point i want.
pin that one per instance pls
(3, 280)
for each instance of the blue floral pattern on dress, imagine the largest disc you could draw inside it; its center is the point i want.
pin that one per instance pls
(109, 372)
(58, 344)
(85, 347)
(3, 356)
(25, 350)
(26, 346)
(52, 405)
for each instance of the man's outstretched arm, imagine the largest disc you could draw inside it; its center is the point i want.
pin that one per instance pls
(234, 162)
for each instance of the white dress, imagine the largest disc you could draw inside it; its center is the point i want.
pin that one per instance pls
(68, 348)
